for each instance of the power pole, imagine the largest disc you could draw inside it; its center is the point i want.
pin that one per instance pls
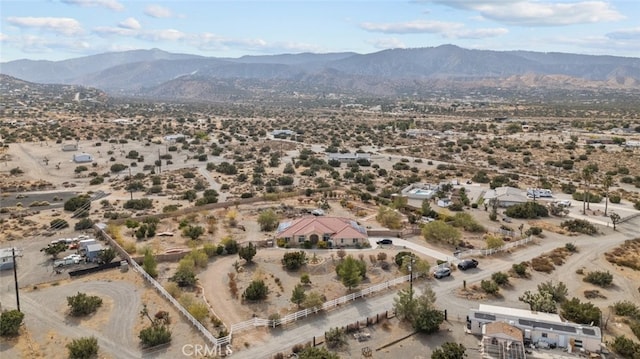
(130, 189)
(15, 276)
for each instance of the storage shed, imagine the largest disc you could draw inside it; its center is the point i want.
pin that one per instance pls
(82, 158)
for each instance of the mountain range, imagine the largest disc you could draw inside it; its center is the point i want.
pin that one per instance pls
(415, 72)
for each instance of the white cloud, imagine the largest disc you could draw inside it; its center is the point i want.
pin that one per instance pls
(388, 43)
(539, 13)
(61, 25)
(163, 35)
(411, 27)
(130, 23)
(158, 11)
(480, 33)
(109, 4)
(37, 44)
(625, 34)
(446, 29)
(4, 37)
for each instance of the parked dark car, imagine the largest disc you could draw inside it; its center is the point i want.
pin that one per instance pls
(441, 272)
(467, 264)
(385, 241)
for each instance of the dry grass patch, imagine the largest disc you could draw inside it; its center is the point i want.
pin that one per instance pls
(546, 262)
(627, 254)
(550, 227)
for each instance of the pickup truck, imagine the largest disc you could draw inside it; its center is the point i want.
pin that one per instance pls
(66, 261)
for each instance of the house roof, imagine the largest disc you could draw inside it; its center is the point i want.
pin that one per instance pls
(506, 194)
(94, 247)
(504, 330)
(337, 227)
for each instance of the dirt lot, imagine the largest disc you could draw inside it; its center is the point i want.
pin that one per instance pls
(116, 324)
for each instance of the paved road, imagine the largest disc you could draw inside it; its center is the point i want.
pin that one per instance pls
(398, 242)
(283, 339)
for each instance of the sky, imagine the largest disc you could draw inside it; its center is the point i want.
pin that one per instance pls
(62, 29)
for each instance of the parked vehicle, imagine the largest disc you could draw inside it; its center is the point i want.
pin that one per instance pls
(467, 264)
(385, 241)
(441, 272)
(66, 262)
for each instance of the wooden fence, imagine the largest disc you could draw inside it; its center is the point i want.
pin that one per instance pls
(259, 322)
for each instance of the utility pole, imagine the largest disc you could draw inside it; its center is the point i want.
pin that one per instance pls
(411, 277)
(130, 189)
(15, 276)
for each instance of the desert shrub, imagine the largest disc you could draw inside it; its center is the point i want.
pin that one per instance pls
(82, 304)
(10, 322)
(294, 260)
(579, 226)
(138, 204)
(592, 197)
(627, 309)
(82, 224)
(542, 264)
(399, 257)
(59, 223)
(533, 231)
(520, 269)
(571, 247)
(527, 210)
(155, 335)
(614, 198)
(489, 287)
(257, 290)
(335, 338)
(118, 167)
(494, 242)
(625, 347)
(599, 278)
(96, 180)
(83, 348)
(582, 313)
(500, 278)
(78, 202)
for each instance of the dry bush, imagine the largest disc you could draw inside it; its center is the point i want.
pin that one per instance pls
(542, 264)
(627, 254)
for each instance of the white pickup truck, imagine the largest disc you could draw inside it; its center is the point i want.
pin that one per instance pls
(66, 261)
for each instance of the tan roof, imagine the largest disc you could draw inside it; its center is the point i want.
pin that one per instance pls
(336, 227)
(503, 328)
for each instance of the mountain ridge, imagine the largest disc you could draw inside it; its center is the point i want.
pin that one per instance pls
(391, 73)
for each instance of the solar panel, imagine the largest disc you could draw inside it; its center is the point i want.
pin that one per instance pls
(484, 316)
(549, 326)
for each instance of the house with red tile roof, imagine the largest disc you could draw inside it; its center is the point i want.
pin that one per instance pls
(336, 231)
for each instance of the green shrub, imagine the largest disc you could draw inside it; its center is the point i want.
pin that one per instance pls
(294, 260)
(489, 287)
(82, 304)
(579, 226)
(59, 223)
(625, 347)
(627, 309)
(500, 278)
(527, 210)
(599, 278)
(520, 269)
(592, 197)
(10, 322)
(257, 290)
(83, 348)
(138, 204)
(533, 231)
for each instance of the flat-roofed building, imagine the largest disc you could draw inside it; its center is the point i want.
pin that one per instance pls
(542, 329)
